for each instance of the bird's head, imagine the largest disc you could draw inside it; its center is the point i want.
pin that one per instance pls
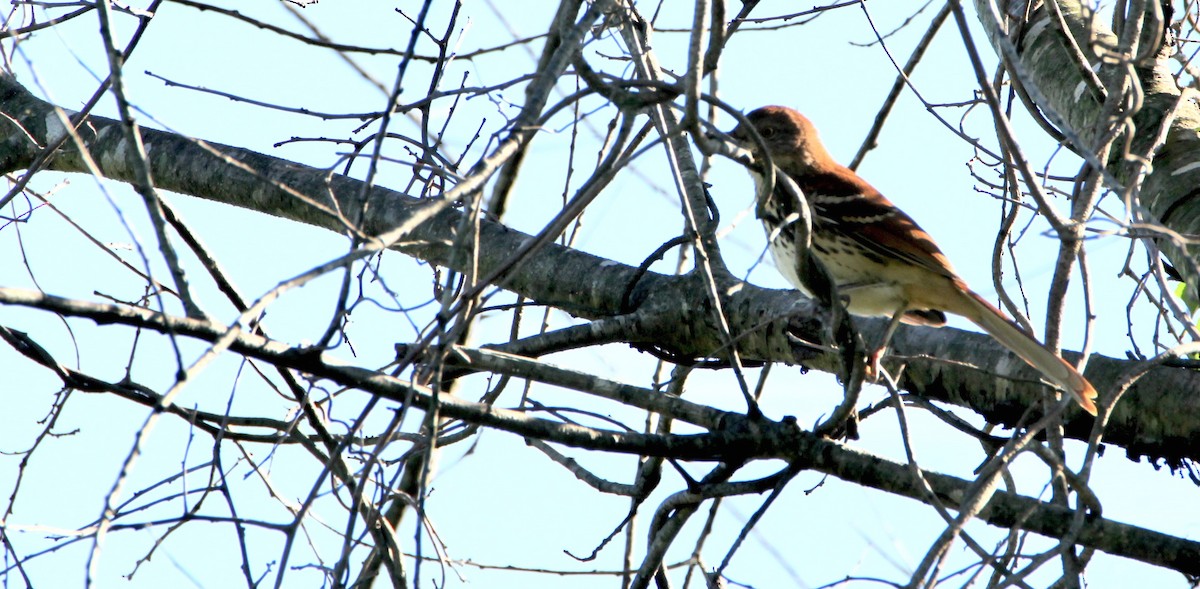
(789, 136)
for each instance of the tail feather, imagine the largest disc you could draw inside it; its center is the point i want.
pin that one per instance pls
(993, 321)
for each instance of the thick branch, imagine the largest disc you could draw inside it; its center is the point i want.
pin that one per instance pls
(731, 436)
(1170, 192)
(672, 313)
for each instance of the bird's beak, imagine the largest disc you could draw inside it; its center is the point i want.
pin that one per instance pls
(736, 144)
(740, 136)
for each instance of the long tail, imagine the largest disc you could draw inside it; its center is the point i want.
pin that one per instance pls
(993, 321)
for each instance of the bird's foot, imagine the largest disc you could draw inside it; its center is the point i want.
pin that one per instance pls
(874, 365)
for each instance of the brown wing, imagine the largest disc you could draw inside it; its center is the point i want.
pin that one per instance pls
(844, 202)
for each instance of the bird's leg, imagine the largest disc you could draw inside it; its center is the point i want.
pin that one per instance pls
(874, 368)
(865, 289)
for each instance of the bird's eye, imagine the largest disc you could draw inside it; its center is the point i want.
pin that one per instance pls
(767, 132)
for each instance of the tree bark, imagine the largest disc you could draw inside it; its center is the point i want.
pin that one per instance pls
(1167, 127)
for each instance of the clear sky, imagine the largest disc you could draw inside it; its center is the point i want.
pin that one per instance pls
(499, 502)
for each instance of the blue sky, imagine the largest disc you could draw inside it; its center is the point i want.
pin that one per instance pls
(499, 502)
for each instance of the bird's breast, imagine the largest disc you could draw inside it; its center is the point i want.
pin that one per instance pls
(862, 276)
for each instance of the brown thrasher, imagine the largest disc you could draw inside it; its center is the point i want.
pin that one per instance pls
(878, 256)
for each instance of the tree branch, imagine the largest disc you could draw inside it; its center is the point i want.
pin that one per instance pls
(731, 437)
(672, 314)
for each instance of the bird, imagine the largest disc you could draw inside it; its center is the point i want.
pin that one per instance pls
(878, 256)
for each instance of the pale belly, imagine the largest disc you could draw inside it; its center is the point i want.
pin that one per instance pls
(866, 282)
